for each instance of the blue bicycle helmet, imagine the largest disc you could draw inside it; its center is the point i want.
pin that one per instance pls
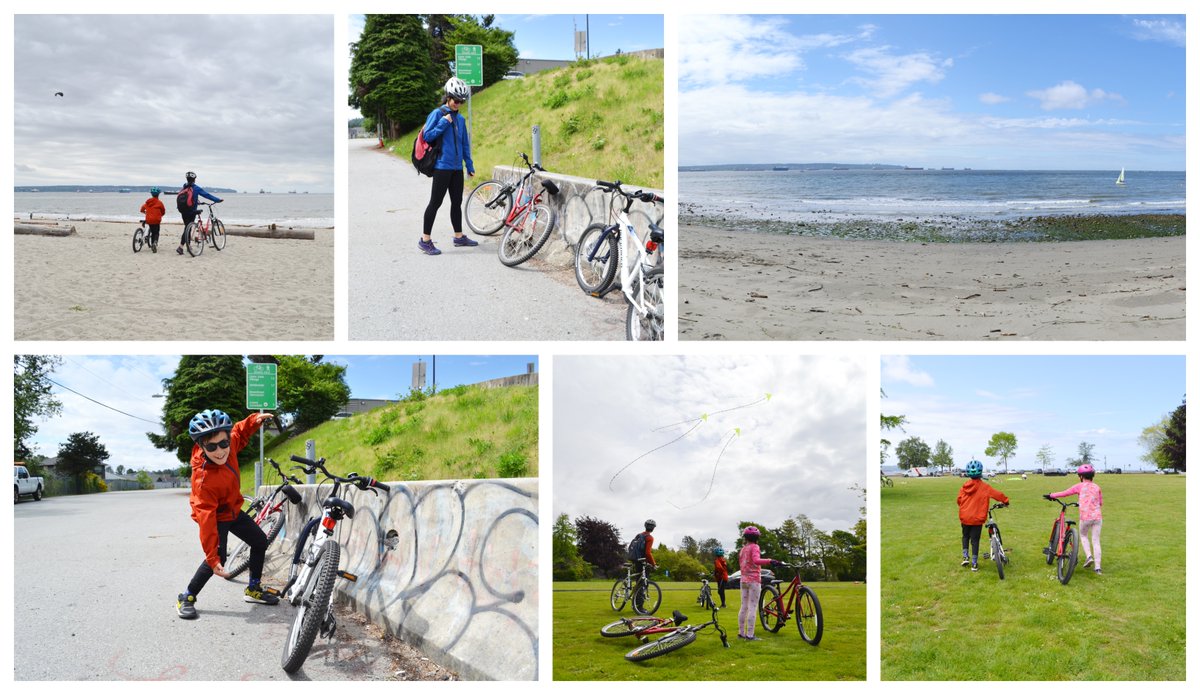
(206, 422)
(719, 552)
(974, 469)
(154, 191)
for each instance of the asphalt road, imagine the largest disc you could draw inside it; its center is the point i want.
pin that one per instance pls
(95, 581)
(399, 293)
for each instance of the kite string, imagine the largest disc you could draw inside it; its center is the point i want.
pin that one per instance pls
(718, 412)
(610, 481)
(712, 479)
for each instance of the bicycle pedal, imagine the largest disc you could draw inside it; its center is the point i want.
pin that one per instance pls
(271, 591)
(347, 576)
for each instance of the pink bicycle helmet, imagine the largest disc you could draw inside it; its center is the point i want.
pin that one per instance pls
(750, 531)
(1085, 468)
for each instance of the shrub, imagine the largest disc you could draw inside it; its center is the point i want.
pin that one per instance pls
(512, 465)
(557, 99)
(378, 435)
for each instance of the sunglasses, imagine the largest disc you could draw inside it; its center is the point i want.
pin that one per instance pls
(214, 446)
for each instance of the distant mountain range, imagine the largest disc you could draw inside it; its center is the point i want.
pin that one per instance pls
(108, 189)
(810, 166)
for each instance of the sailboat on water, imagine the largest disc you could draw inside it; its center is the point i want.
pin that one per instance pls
(1121, 177)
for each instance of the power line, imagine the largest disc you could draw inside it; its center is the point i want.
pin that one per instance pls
(135, 417)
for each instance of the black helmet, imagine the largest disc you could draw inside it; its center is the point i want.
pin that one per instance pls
(191, 176)
(650, 524)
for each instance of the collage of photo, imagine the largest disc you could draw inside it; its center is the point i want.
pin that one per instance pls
(556, 347)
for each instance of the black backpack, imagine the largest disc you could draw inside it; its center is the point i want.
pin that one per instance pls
(637, 547)
(185, 201)
(424, 154)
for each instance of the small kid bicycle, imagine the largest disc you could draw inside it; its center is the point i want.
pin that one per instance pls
(677, 637)
(269, 513)
(141, 237)
(527, 221)
(997, 553)
(776, 606)
(644, 626)
(315, 565)
(1063, 547)
(205, 230)
(641, 592)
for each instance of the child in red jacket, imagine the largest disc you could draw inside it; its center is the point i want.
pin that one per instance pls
(972, 511)
(721, 573)
(154, 210)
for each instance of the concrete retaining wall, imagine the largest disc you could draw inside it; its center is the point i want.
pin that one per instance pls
(578, 205)
(461, 584)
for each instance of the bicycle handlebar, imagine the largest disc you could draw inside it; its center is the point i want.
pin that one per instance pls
(1064, 504)
(362, 482)
(999, 505)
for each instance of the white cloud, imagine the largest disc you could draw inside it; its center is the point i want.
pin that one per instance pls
(900, 368)
(1165, 30)
(1071, 95)
(993, 98)
(891, 74)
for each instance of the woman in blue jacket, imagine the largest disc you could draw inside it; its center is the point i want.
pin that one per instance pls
(446, 125)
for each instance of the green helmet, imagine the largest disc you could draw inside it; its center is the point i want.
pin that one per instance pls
(974, 469)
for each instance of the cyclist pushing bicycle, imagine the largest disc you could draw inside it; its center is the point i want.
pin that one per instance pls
(972, 511)
(216, 502)
(187, 201)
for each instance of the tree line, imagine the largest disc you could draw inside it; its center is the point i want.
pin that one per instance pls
(589, 548)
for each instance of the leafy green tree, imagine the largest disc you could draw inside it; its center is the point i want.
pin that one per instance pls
(1085, 455)
(32, 398)
(310, 390)
(1174, 446)
(943, 455)
(1002, 445)
(1045, 457)
(690, 546)
(1152, 439)
(201, 382)
(568, 566)
(912, 452)
(81, 454)
(121, 469)
(599, 544)
(144, 480)
(888, 423)
(678, 564)
(392, 77)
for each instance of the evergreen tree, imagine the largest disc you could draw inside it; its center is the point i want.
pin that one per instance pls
(392, 76)
(201, 382)
(81, 454)
(32, 397)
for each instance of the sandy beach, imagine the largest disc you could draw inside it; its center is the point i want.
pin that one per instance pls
(92, 286)
(755, 286)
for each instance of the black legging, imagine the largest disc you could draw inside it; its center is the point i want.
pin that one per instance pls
(244, 528)
(971, 535)
(721, 589)
(188, 218)
(445, 180)
(153, 234)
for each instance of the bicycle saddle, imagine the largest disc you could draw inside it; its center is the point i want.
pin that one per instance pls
(340, 505)
(680, 618)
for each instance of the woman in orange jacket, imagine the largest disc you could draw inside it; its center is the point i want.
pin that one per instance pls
(216, 502)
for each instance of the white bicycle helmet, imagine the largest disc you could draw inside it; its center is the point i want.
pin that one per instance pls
(208, 421)
(457, 89)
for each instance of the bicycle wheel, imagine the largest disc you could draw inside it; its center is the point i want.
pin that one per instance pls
(314, 605)
(770, 611)
(520, 244)
(628, 626)
(139, 238)
(239, 558)
(1052, 546)
(676, 640)
(595, 260)
(619, 596)
(1070, 556)
(998, 554)
(705, 598)
(487, 207)
(218, 235)
(646, 600)
(809, 619)
(650, 326)
(195, 245)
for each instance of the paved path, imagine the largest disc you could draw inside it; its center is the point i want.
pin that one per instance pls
(398, 293)
(95, 581)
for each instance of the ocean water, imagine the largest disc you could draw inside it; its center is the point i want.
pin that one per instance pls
(891, 194)
(310, 210)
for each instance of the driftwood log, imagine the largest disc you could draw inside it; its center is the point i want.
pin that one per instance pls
(272, 233)
(43, 229)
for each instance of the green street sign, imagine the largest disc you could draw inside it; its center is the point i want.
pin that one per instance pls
(261, 389)
(468, 64)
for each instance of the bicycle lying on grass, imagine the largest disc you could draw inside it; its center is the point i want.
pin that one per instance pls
(517, 208)
(637, 589)
(1064, 542)
(776, 606)
(315, 565)
(996, 553)
(204, 230)
(141, 237)
(270, 514)
(677, 637)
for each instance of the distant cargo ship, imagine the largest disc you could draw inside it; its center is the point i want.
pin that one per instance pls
(779, 168)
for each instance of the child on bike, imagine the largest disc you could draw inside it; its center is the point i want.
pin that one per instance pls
(720, 573)
(216, 501)
(972, 511)
(446, 126)
(1090, 520)
(189, 205)
(154, 210)
(750, 561)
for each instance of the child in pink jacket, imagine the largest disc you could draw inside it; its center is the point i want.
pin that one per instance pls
(1091, 499)
(749, 560)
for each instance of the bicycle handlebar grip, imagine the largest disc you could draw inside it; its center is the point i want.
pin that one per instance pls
(300, 459)
(380, 486)
(608, 184)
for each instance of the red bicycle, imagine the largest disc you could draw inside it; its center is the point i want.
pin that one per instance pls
(205, 230)
(1064, 542)
(269, 513)
(516, 208)
(775, 606)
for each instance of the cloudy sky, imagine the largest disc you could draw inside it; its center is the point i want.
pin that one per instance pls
(1054, 400)
(245, 101)
(797, 453)
(128, 383)
(1004, 92)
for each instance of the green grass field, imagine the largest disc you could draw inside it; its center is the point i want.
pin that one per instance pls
(599, 120)
(463, 432)
(940, 621)
(580, 653)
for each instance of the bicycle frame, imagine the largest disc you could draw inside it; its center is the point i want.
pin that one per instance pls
(632, 274)
(1061, 525)
(788, 600)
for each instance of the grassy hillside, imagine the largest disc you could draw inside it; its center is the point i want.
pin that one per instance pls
(463, 432)
(599, 119)
(939, 621)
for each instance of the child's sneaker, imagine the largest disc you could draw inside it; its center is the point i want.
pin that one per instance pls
(186, 605)
(1088, 561)
(465, 241)
(428, 247)
(964, 562)
(259, 594)
(1098, 572)
(974, 567)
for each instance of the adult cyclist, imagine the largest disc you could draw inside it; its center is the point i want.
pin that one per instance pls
(187, 200)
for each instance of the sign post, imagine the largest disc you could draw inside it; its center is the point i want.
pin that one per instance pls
(468, 67)
(261, 394)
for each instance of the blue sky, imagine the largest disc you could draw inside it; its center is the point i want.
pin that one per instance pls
(980, 91)
(1055, 400)
(128, 383)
